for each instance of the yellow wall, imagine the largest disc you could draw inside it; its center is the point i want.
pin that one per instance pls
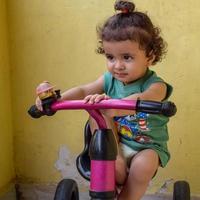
(55, 40)
(6, 137)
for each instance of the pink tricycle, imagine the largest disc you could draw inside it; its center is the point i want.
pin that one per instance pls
(97, 161)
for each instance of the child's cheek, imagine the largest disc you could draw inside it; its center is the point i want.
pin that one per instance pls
(110, 68)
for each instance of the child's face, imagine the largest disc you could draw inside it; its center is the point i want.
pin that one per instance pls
(125, 60)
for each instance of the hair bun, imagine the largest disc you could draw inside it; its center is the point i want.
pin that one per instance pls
(124, 6)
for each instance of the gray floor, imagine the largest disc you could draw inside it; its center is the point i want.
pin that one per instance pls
(47, 193)
(84, 196)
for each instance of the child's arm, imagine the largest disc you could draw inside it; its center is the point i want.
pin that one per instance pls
(156, 92)
(80, 92)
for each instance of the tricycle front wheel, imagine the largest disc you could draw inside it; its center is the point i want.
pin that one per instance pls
(67, 189)
(181, 190)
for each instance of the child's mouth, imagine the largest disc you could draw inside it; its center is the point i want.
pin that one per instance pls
(121, 75)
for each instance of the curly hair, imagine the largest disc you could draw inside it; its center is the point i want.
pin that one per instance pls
(129, 24)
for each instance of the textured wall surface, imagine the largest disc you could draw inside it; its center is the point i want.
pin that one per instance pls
(6, 137)
(55, 40)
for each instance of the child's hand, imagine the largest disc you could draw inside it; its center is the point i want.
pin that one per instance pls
(38, 104)
(96, 98)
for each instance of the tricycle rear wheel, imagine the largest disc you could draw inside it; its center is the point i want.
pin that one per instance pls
(67, 189)
(181, 190)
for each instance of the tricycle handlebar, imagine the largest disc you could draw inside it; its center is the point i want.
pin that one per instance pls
(153, 107)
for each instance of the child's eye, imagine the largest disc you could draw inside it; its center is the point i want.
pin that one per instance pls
(127, 57)
(109, 57)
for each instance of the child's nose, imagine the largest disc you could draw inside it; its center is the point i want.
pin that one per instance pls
(119, 65)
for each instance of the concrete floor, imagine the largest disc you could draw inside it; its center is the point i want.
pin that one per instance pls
(30, 192)
(42, 195)
(84, 196)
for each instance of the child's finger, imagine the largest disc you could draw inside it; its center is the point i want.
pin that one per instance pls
(102, 97)
(107, 97)
(93, 98)
(87, 98)
(99, 98)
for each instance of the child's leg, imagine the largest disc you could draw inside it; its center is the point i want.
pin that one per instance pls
(121, 169)
(110, 124)
(142, 169)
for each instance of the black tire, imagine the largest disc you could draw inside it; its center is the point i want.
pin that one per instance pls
(181, 190)
(67, 189)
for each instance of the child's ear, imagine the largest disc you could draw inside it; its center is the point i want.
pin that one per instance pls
(151, 59)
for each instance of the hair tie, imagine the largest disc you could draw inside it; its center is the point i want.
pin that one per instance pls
(124, 6)
(125, 10)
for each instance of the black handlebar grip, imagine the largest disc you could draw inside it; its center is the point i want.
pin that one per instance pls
(167, 109)
(34, 112)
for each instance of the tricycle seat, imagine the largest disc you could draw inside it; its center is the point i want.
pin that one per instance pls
(83, 160)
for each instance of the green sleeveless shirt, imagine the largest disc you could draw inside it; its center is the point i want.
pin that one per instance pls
(140, 131)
